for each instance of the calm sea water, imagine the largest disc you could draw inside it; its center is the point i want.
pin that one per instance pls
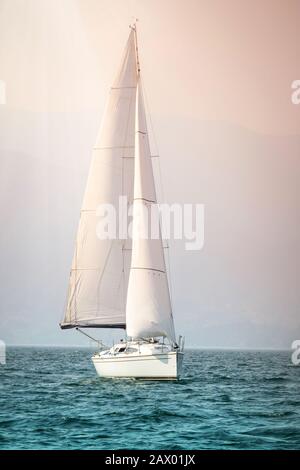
(50, 398)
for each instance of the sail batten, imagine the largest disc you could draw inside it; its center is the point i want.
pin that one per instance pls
(100, 268)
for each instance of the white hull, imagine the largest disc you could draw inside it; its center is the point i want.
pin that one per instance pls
(145, 361)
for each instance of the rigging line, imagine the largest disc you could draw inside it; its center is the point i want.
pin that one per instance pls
(159, 175)
(98, 341)
(153, 135)
(123, 276)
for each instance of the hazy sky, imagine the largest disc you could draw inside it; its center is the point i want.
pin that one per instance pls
(218, 79)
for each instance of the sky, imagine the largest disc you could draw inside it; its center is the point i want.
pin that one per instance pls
(218, 78)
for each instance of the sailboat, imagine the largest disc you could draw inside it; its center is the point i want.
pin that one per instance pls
(123, 283)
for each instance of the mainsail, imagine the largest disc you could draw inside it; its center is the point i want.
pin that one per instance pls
(148, 309)
(100, 269)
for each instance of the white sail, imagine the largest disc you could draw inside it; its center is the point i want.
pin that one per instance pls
(148, 309)
(100, 268)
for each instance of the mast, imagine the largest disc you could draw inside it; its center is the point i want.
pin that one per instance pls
(133, 27)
